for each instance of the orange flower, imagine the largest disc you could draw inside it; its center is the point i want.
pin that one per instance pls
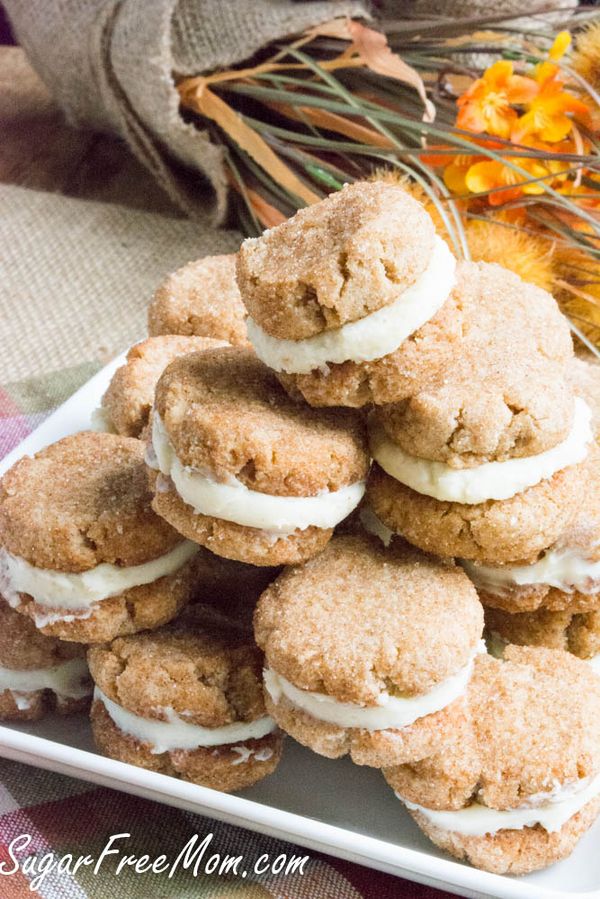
(547, 114)
(504, 182)
(487, 105)
(561, 44)
(455, 174)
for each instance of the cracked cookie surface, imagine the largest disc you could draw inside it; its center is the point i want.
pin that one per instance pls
(223, 410)
(491, 413)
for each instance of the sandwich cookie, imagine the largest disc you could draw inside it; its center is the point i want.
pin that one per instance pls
(82, 553)
(489, 466)
(200, 300)
(519, 783)
(564, 576)
(242, 469)
(368, 651)
(39, 674)
(186, 700)
(127, 402)
(335, 291)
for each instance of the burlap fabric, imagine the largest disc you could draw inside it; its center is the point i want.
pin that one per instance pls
(76, 276)
(110, 64)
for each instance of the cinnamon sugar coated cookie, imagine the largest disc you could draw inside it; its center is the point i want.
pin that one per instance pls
(242, 469)
(200, 300)
(565, 575)
(368, 650)
(344, 282)
(336, 261)
(520, 782)
(128, 400)
(492, 532)
(489, 316)
(485, 414)
(186, 700)
(82, 552)
(38, 674)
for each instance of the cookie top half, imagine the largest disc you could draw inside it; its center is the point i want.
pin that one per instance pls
(335, 262)
(82, 501)
(225, 412)
(359, 620)
(201, 299)
(491, 413)
(505, 390)
(199, 666)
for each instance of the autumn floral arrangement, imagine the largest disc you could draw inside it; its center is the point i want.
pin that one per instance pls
(495, 130)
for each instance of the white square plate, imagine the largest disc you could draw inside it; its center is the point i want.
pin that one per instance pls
(328, 806)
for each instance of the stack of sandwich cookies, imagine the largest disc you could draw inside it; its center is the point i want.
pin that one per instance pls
(127, 402)
(245, 471)
(369, 651)
(200, 300)
(520, 782)
(347, 300)
(82, 553)
(38, 674)
(186, 700)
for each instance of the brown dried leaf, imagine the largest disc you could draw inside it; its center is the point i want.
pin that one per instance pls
(213, 107)
(374, 49)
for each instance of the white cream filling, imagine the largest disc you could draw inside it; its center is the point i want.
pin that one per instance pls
(176, 733)
(371, 337)
(554, 810)
(79, 591)
(492, 480)
(233, 501)
(70, 679)
(565, 569)
(391, 712)
(244, 754)
(594, 661)
(373, 525)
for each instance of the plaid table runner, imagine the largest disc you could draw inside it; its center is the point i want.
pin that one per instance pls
(65, 817)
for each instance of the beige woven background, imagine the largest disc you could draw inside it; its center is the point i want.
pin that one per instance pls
(110, 65)
(77, 276)
(89, 223)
